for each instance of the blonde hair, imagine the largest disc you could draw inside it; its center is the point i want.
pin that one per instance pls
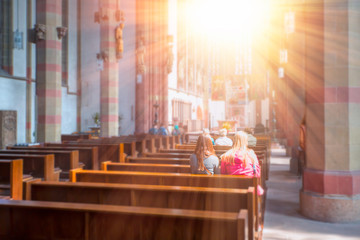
(240, 144)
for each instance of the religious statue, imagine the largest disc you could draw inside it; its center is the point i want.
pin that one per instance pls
(61, 32)
(140, 57)
(119, 40)
(40, 30)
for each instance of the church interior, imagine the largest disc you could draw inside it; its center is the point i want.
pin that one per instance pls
(114, 115)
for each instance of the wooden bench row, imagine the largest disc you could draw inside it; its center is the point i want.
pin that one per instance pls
(175, 198)
(189, 148)
(53, 220)
(171, 179)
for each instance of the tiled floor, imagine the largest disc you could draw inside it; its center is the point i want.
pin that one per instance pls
(282, 217)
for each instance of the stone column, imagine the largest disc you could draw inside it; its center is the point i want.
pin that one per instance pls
(48, 72)
(142, 106)
(109, 78)
(152, 85)
(29, 95)
(331, 178)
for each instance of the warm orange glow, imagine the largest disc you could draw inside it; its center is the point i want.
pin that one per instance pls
(229, 18)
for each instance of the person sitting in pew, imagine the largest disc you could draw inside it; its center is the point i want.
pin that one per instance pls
(175, 131)
(240, 160)
(223, 140)
(204, 159)
(251, 139)
(163, 130)
(154, 130)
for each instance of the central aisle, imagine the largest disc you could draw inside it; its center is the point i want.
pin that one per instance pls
(282, 217)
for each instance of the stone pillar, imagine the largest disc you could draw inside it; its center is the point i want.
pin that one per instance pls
(48, 71)
(152, 85)
(109, 78)
(142, 105)
(331, 177)
(29, 95)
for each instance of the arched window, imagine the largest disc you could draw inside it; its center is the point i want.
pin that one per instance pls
(6, 36)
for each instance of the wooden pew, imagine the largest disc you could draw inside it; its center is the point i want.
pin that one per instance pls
(53, 220)
(11, 177)
(107, 152)
(74, 137)
(167, 155)
(137, 143)
(186, 161)
(166, 142)
(187, 151)
(144, 143)
(142, 178)
(65, 160)
(87, 155)
(185, 154)
(146, 167)
(219, 149)
(194, 198)
(40, 166)
(182, 161)
(150, 145)
(171, 179)
(129, 145)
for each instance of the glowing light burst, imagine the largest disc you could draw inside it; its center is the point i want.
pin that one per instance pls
(228, 18)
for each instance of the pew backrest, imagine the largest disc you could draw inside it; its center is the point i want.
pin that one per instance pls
(41, 166)
(11, 173)
(53, 220)
(65, 160)
(182, 161)
(146, 167)
(87, 155)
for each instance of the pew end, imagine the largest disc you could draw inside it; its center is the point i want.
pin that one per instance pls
(73, 172)
(104, 165)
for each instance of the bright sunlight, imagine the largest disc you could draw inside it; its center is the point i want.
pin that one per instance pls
(229, 18)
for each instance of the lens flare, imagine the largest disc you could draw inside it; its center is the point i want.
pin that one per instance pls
(228, 18)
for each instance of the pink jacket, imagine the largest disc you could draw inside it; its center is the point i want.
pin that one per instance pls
(239, 168)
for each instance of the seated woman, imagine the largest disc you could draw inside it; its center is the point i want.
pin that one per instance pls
(223, 140)
(175, 131)
(240, 160)
(204, 159)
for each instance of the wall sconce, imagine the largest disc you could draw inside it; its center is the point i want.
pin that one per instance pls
(100, 64)
(40, 31)
(61, 32)
(100, 59)
(103, 55)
